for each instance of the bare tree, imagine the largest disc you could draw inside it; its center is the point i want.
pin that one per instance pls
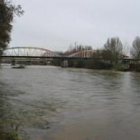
(135, 51)
(126, 48)
(113, 49)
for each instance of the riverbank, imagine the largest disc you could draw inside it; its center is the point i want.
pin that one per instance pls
(97, 64)
(114, 68)
(8, 126)
(22, 108)
(9, 136)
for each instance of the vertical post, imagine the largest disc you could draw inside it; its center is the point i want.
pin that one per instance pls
(64, 63)
(13, 62)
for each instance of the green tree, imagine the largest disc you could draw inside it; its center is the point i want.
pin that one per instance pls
(7, 12)
(135, 51)
(112, 50)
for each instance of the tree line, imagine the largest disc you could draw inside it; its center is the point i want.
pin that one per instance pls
(112, 49)
(111, 55)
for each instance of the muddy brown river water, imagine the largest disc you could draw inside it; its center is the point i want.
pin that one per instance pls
(73, 104)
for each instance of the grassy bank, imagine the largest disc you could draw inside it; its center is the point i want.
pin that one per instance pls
(9, 136)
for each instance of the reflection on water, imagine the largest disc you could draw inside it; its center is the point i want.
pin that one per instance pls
(73, 104)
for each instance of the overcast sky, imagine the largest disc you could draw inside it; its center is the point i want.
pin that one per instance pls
(56, 24)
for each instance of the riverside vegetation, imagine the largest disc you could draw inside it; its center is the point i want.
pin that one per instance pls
(7, 12)
(109, 57)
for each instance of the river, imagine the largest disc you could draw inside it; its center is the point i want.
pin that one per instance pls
(52, 103)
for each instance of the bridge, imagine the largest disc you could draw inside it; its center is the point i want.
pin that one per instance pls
(28, 51)
(82, 54)
(31, 54)
(36, 52)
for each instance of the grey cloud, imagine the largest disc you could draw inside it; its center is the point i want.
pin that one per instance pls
(58, 23)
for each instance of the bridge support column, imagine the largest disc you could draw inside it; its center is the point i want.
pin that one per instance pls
(28, 62)
(13, 62)
(64, 63)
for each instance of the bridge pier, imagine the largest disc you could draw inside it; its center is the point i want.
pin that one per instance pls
(64, 63)
(28, 62)
(13, 62)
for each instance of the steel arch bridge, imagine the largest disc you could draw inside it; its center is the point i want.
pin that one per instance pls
(28, 51)
(83, 54)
